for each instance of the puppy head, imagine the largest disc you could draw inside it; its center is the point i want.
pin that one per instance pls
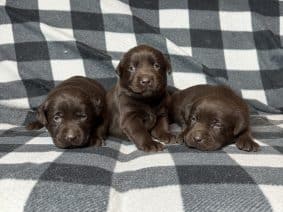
(143, 70)
(69, 116)
(212, 123)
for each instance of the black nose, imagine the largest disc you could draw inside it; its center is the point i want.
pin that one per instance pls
(145, 81)
(197, 138)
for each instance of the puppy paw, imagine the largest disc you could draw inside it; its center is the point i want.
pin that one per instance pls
(98, 142)
(168, 138)
(34, 126)
(180, 138)
(247, 144)
(152, 146)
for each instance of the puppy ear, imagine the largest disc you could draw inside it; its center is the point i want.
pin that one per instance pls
(168, 66)
(97, 104)
(41, 113)
(185, 112)
(241, 123)
(119, 68)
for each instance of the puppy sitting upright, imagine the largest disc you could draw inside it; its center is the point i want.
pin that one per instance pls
(74, 113)
(211, 117)
(136, 104)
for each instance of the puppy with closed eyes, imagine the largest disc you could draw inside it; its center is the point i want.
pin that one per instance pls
(74, 113)
(211, 117)
(137, 103)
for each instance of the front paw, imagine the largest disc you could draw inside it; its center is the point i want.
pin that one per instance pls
(180, 138)
(247, 144)
(168, 138)
(151, 146)
(98, 142)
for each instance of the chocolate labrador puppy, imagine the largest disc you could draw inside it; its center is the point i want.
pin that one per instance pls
(74, 113)
(211, 117)
(137, 104)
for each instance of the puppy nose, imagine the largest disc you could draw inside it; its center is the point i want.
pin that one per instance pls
(70, 136)
(197, 138)
(145, 80)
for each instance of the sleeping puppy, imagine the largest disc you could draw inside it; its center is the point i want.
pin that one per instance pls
(211, 117)
(136, 105)
(74, 113)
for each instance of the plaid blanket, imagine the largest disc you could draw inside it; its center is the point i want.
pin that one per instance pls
(233, 42)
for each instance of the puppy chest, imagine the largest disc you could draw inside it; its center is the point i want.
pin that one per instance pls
(149, 119)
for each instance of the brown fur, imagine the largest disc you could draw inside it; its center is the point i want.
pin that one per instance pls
(136, 104)
(211, 117)
(74, 113)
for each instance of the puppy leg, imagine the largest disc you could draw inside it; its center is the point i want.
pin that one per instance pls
(180, 137)
(184, 130)
(36, 125)
(161, 131)
(99, 135)
(133, 127)
(245, 142)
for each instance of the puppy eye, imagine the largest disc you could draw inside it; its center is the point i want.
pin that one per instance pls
(193, 119)
(57, 118)
(132, 69)
(156, 66)
(216, 125)
(82, 115)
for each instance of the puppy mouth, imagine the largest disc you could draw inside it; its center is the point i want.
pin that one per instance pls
(62, 143)
(207, 144)
(144, 90)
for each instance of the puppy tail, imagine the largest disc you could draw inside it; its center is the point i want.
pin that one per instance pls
(36, 125)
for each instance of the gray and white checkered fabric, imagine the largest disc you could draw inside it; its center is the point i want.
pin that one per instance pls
(233, 42)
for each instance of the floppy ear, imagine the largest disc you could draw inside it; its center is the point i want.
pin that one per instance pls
(119, 68)
(185, 112)
(97, 104)
(168, 66)
(41, 113)
(241, 123)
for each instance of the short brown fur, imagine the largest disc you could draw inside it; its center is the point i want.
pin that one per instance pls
(74, 113)
(211, 117)
(136, 104)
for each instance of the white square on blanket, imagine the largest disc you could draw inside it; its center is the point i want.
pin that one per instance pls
(56, 34)
(21, 103)
(165, 198)
(254, 94)
(120, 42)
(54, 5)
(235, 21)
(64, 69)
(274, 195)
(184, 80)
(161, 160)
(115, 63)
(29, 157)
(243, 60)
(6, 36)
(173, 49)
(2, 2)
(115, 7)
(15, 193)
(174, 18)
(9, 71)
